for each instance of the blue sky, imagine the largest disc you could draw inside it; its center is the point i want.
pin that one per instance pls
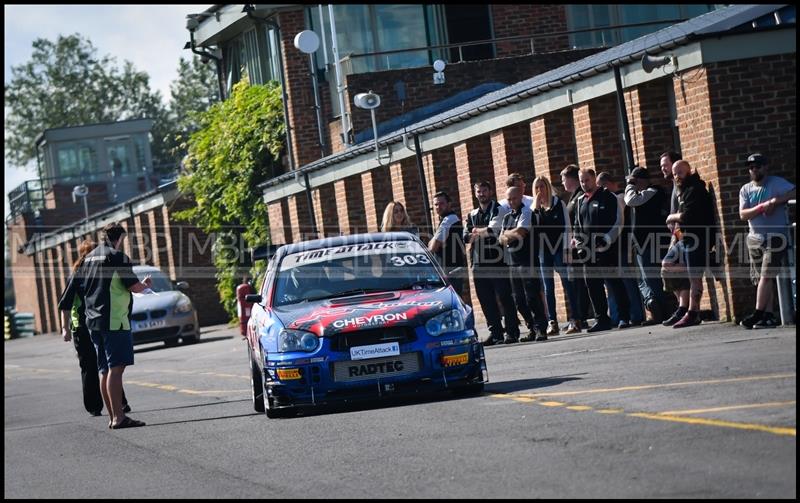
(150, 36)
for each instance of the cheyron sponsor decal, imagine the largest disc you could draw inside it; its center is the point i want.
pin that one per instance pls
(369, 320)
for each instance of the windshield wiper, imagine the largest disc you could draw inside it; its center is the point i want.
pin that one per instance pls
(346, 293)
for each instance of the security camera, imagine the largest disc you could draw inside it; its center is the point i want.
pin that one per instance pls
(367, 101)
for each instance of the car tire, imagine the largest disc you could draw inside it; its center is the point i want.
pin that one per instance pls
(191, 339)
(171, 342)
(256, 382)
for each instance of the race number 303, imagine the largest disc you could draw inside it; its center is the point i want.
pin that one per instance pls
(410, 259)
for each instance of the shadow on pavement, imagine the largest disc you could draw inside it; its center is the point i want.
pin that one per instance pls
(154, 346)
(529, 384)
(191, 406)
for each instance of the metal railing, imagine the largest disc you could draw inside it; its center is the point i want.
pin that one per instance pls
(347, 60)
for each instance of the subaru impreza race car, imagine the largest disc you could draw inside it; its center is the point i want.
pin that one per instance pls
(358, 317)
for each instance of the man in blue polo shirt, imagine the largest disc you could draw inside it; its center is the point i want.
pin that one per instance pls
(108, 283)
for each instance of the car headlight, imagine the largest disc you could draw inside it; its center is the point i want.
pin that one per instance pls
(297, 340)
(450, 321)
(183, 306)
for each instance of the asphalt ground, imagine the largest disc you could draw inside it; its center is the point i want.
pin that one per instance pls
(703, 412)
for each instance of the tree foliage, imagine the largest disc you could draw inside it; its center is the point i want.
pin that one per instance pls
(64, 84)
(237, 147)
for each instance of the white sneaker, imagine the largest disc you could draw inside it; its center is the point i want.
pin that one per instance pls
(552, 328)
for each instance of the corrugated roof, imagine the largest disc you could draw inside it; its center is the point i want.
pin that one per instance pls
(717, 21)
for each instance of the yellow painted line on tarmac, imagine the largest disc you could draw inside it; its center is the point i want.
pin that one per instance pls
(655, 386)
(731, 407)
(579, 407)
(609, 411)
(168, 387)
(777, 430)
(552, 404)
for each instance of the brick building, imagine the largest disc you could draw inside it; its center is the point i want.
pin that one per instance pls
(729, 89)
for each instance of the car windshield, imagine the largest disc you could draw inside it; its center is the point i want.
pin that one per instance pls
(160, 282)
(353, 269)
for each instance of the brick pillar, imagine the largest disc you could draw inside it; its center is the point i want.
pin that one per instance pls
(350, 205)
(299, 220)
(279, 225)
(158, 238)
(473, 162)
(512, 20)
(51, 268)
(325, 212)
(376, 185)
(302, 118)
(407, 189)
(143, 239)
(649, 122)
(170, 250)
(439, 167)
(597, 136)
(554, 146)
(511, 153)
(127, 247)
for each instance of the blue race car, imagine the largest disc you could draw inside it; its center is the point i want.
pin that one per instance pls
(358, 317)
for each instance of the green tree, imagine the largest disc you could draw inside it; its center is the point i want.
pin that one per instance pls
(65, 83)
(192, 93)
(237, 147)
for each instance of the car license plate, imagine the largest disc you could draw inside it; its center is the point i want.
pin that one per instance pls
(149, 324)
(376, 368)
(374, 351)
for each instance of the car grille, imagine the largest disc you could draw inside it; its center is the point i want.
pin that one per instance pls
(156, 334)
(343, 342)
(157, 313)
(138, 316)
(376, 368)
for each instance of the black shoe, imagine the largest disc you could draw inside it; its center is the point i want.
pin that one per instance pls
(96, 412)
(750, 321)
(510, 340)
(623, 324)
(655, 309)
(600, 326)
(675, 318)
(541, 336)
(530, 336)
(126, 409)
(492, 341)
(767, 321)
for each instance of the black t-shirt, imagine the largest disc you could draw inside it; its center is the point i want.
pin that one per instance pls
(520, 252)
(72, 300)
(486, 251)
(108, 273)
(451, 254)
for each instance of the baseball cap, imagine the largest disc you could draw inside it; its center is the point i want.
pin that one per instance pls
(756, 159)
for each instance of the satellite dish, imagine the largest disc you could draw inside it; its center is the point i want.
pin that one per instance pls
(307, 41)
(439, 65)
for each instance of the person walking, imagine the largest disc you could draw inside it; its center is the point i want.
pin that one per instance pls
(489, 272)
(694, 221)
(648, 210)
(395, 218)
(518, 238)
(762, 203)
(553, 219)
(598, 223)
(71, 305)
(447, 244)
(108, 282)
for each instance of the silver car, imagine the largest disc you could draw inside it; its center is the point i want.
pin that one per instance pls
(165, 315)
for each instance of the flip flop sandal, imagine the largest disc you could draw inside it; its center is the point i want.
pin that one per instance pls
(127, 423)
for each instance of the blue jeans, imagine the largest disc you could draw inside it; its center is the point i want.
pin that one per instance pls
(650, 284)
(549, 262)
(636, 310)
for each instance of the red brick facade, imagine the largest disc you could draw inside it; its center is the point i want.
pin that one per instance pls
(511, 20)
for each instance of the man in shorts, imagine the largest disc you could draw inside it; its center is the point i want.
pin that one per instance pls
(762, 203)
(108, 283)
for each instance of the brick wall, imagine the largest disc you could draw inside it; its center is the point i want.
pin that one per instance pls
(420, 90)
(649, 122)
(376, 185)
(597, 136)
(511, 153)
(554, 145)
(511, 20)
(350, 205)
(406, 188)
(326, 214)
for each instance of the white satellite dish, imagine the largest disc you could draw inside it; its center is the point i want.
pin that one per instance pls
(307, 41)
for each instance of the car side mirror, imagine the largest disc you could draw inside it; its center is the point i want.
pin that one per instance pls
(253, 298)
(182, 285)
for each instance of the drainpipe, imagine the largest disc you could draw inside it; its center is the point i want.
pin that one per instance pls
(423, 183)
(209, 55)
(626, 131)
(285, 98)
(339, 85)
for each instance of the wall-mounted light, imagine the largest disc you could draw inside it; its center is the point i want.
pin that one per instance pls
(438, 67)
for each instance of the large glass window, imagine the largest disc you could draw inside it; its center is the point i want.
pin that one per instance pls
(119, 158)
(76, 161)
(601, 15)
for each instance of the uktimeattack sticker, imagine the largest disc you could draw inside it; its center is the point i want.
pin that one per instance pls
(374, 351)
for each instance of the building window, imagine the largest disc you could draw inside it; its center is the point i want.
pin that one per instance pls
(76, 162)
(598, 16)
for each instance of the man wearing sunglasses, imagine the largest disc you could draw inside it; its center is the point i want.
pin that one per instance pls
(762, 203)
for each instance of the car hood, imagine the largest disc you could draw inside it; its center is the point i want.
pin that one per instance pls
(348, 314)
(158, 300)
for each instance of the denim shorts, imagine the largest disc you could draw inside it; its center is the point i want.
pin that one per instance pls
(114, 348)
